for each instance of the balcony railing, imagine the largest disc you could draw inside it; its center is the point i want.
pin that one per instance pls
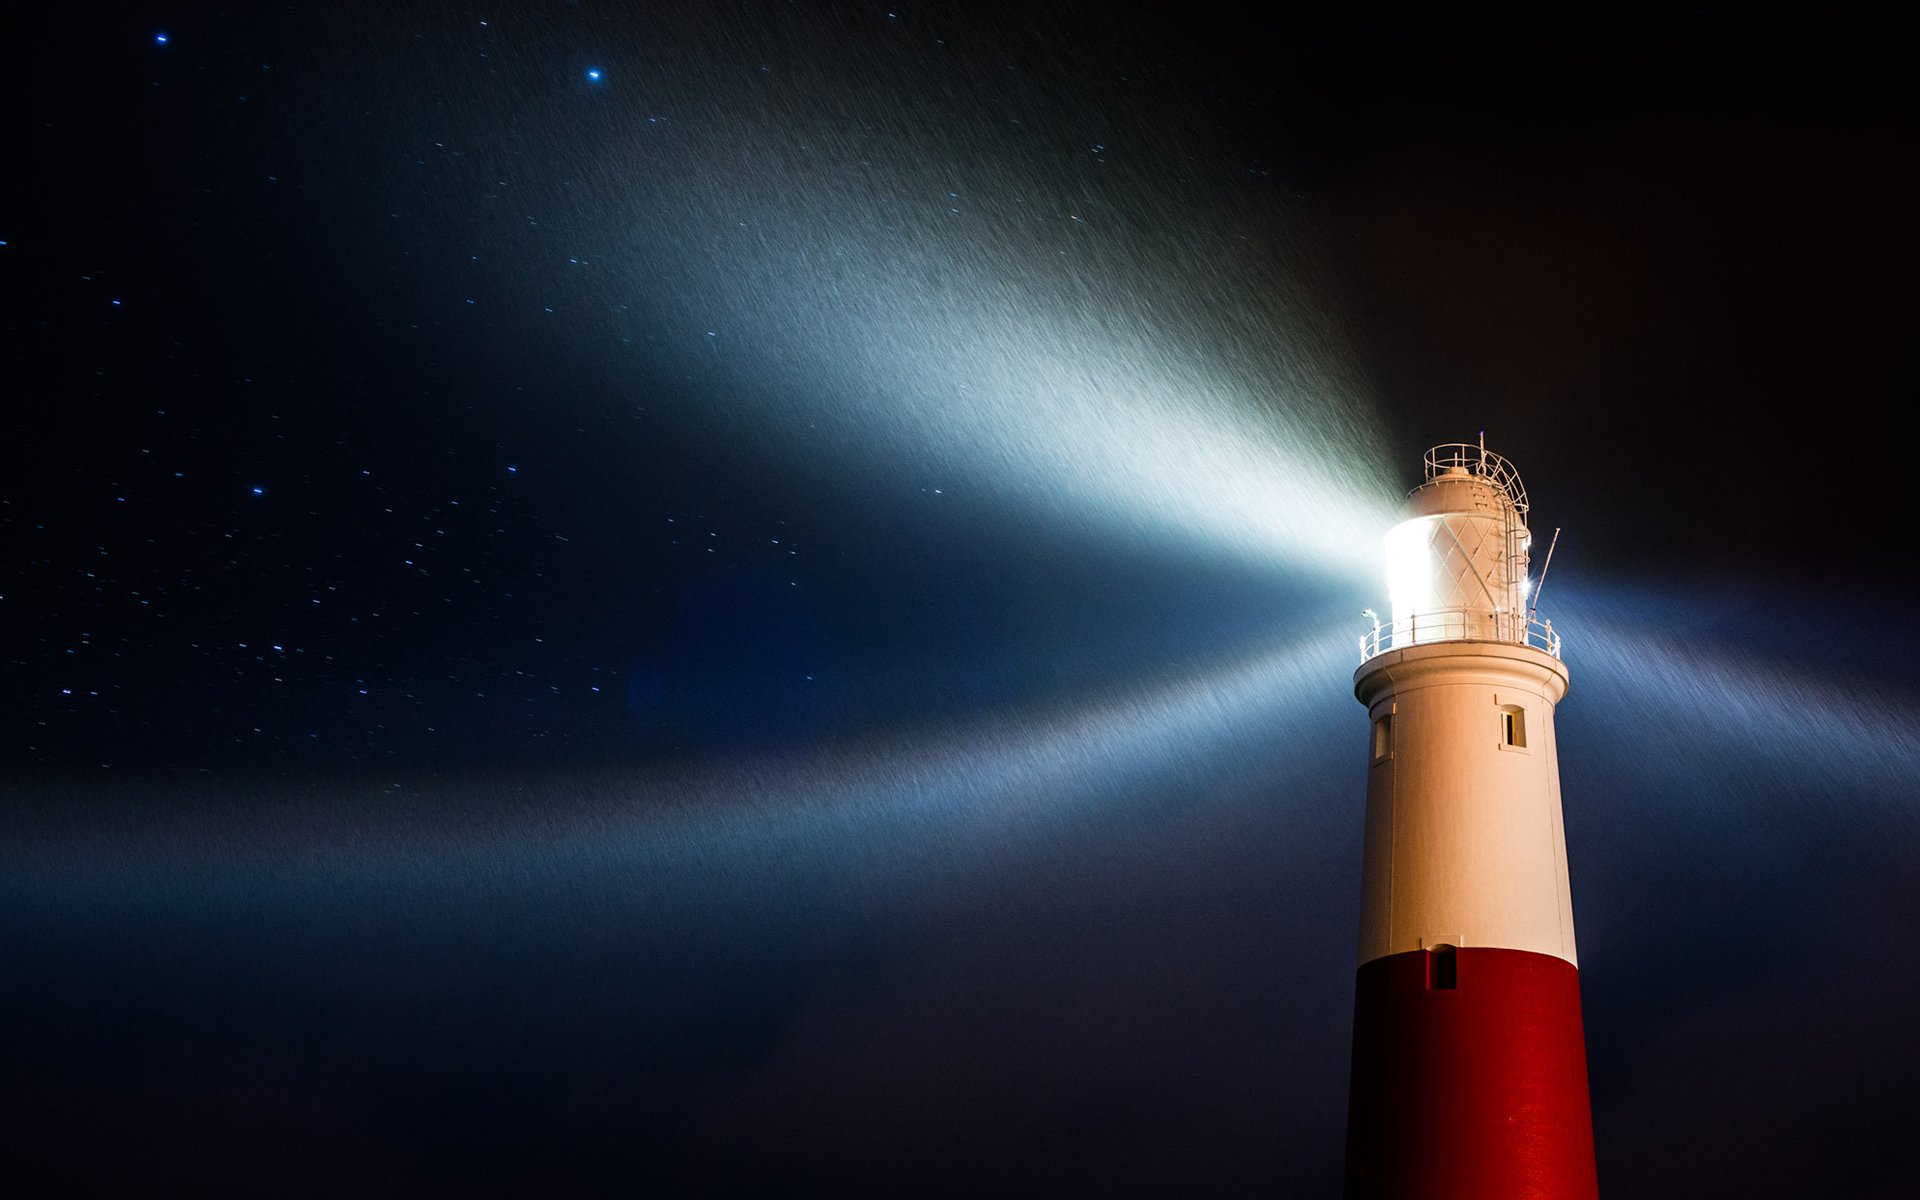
(1459, 625)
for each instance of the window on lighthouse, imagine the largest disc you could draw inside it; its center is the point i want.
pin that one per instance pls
(1443, 969)
(1513, 726)
(1382, 737)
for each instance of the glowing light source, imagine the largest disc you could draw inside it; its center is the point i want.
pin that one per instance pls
(594, 75)
(1410, 567)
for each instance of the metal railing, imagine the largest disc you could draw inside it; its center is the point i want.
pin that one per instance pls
(1459, 625)
(1481, 463)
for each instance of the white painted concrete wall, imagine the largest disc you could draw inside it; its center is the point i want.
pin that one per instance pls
(1465, 844)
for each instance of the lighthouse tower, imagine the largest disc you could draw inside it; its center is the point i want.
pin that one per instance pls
(1469, 1064)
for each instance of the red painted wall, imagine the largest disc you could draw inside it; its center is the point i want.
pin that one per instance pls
(1478, 1092)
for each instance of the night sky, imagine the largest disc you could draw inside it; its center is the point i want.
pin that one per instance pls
(759, 599)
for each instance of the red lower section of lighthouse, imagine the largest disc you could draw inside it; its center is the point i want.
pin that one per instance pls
(1475, 1090)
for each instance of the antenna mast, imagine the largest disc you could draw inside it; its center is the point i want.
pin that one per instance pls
(1544, 568)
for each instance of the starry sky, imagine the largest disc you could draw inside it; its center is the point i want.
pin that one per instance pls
(760, 599)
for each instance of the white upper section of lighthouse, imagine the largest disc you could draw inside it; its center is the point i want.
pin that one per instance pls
(1465, 840)
(1457, 566)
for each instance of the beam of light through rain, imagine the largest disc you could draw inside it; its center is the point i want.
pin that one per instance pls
(1092, 315)
(1682, 700)
(1105, 399)
(989, 786)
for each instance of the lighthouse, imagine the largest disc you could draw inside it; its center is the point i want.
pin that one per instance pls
(1469, 1064)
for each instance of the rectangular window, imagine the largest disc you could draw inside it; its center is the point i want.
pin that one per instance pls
(1443, 969)
(1513, 726)
(1382, 737)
